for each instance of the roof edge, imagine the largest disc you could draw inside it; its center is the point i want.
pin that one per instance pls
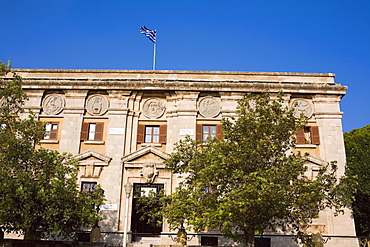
(174, 72)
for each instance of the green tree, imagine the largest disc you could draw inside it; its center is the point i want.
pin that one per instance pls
(250, 180)
(38, 190)
(357, 144)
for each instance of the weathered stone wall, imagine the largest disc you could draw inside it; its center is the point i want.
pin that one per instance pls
(124, 100)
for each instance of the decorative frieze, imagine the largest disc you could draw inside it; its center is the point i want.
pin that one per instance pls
(153, 108)
(97, 105)
(208, 107)
(53, 104)
(302, 106)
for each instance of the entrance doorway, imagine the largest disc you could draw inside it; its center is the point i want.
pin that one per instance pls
(142, 227)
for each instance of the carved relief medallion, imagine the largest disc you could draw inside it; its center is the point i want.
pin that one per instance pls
(153, 108)
(149, 172)
(53, 104)
(302, 106)
(209, 107)
(97, 105)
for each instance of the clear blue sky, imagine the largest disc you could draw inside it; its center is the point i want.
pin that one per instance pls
(234, 35)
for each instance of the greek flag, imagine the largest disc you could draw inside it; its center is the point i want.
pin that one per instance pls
(151, 34)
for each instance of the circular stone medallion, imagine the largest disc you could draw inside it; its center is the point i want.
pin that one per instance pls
(209, 107)
(97, 105)
(53, 104)
(153, 108)
(302, 106)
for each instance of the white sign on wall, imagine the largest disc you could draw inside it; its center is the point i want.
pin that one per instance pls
(116, 131)
(184, 132)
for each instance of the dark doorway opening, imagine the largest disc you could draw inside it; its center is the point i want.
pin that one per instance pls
(139, 227)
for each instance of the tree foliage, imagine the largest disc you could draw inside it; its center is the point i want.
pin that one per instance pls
(38, 190)
(357, 144)
(250, 180)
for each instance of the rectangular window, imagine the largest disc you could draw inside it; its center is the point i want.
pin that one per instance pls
(308, 135)
(152, 133)
(207, 190)
(208, 132)
(205, 132)
(88, 187)
(92, 131)
(92, 128)
(51, 131)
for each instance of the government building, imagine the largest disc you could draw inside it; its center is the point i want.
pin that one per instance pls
(122, 124)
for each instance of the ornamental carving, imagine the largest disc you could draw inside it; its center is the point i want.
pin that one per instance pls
(209, 107)
(92, 163)
(302, 106)
(53, 104)
(148, 173)
(97, 105)
(153, 108)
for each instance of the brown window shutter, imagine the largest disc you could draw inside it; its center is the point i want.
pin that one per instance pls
(300, 136)
(99, 131)
(219, 131)
(54, 132)
(163, 133)
(199, 132)
(315, 137)
(84, 131)
(140, 133)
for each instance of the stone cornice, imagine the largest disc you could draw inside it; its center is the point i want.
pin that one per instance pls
(184, 85)
(170, 72)
(177, 75)
(170, 80)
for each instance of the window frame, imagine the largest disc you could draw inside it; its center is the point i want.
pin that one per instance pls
(53, 133)
(98, 133)
(308, 135)
(200, 134)
(207, 190)
(152, 135)
(91, 185)
(141, 133)
(209, 132)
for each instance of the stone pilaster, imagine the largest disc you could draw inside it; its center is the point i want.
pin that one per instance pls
(229, 103)
(73, 118)
(117, 112)
(34, 101)
(111, 178)
(184, 115)
(329, 119)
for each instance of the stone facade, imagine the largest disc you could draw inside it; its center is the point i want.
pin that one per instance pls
(122, 124)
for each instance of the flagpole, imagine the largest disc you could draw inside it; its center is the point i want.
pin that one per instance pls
(152, 35)
(154, 53)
